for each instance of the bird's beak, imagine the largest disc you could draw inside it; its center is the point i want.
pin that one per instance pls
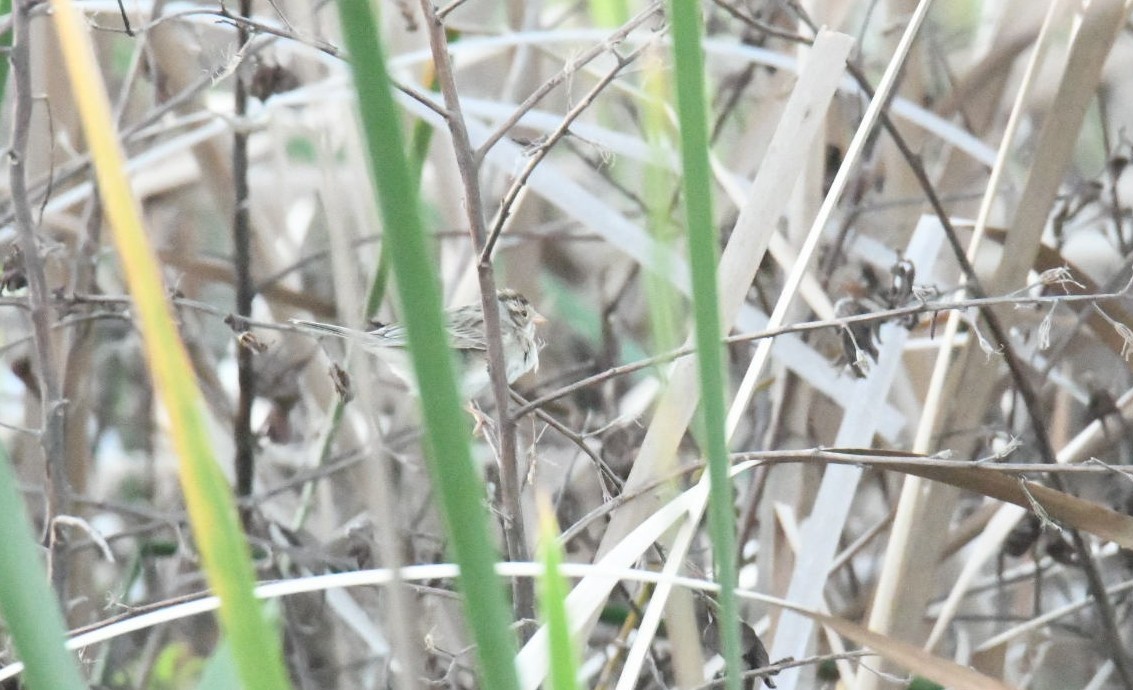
(537, 318)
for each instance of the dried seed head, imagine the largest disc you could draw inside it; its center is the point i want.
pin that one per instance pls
(1059, 276)
(1044, 330)
(1126, 338)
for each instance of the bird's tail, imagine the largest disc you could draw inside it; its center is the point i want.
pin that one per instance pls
(316, 328)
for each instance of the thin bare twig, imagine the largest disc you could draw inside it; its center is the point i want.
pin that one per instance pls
(888, 458)
(444, 11)
(245, 22)
(565, 73)
(536, 157)
(614, 372)
(39, 298)
(466, 161)
(605, 473)
(833, 455)
(772, 669)
(760, 26)
(841, 322)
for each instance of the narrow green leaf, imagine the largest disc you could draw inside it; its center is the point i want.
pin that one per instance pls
(447, 434)
(692, 112)
(659, 184)
(552, 603)
(220, 671)
(5, 44)
(29, 607)
(609, 13)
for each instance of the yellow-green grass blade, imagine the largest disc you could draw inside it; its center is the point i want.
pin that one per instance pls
(208, 498)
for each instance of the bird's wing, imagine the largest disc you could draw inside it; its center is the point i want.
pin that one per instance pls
(393, 335)
(464, 331)
(467, 341)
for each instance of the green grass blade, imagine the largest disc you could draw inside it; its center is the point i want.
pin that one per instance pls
(552, 603)
(448, 455)
(27, 602)
(5, 44)
(664, 301)
(609, 13)
(220, 670)
(692, 112)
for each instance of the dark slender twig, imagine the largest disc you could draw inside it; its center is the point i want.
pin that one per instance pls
(125, 19)
(39, 298)
(245, 440)
(466, 161)
(772, 669)
(245, 24)
(762, 27)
